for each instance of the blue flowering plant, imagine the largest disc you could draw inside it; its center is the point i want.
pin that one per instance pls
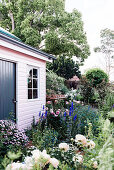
(71, 120)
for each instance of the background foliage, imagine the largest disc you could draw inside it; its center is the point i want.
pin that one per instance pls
(55, 84)
(47, 26)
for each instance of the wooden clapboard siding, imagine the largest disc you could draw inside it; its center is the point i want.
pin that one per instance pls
(26, 109)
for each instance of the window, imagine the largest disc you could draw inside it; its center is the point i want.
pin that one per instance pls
(32, 83)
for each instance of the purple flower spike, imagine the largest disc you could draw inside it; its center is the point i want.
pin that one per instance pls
(75, 117)
(46, 113)
(65, 114)
(39, 113)
(70, 113)
(72, 105)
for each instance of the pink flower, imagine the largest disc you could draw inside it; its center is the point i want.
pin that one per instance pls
(56, 101)
(55, 115)
(48, 102)
(52, 112)
(67, 102)
(57, 112)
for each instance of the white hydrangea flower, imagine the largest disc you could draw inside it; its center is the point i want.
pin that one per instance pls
(81, 138)
(64, 146)
(45, 155)
(28, 161)
(36, 154)
(54, 162)
(17, 166)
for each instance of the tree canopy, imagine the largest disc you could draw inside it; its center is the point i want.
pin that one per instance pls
(46, 25)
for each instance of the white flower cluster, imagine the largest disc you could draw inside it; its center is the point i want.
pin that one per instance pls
(37, 157)
(64, 147)
(82, 139)
(87, 143)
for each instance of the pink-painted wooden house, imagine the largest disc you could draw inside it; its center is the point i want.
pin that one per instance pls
(22, 79)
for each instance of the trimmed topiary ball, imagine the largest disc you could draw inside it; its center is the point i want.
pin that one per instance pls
(96, 76)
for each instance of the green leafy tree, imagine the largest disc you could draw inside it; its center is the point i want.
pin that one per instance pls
(65, 67)
(46, 25)
(107, 48)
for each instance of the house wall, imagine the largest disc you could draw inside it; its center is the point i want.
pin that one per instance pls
(26, 109)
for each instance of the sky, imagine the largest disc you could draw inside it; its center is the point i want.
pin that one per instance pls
(96, 15)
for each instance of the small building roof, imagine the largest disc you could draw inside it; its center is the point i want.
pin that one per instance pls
(11, 38)
(75, 78)
(5, 32)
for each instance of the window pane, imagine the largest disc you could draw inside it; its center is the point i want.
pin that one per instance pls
(29, 72)
(29, 93)
(35, 73)
(29, 83)
(35, 85)
(35, 94)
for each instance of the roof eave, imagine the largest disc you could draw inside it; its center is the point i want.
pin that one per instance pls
(27, 47)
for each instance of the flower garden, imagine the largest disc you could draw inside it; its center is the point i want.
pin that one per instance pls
(71, 134)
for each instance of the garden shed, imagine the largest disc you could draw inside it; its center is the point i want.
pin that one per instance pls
(22, 79)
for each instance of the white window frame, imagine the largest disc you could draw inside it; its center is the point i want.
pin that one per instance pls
(38, 82)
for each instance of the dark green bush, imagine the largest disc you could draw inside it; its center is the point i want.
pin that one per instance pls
(85, 115)
(94, 86)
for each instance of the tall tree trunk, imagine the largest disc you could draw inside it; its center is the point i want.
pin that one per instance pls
(12, 18)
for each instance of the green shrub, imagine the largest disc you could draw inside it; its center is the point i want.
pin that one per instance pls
(108, 103)
(42, 136)
(86, 91)
(104, 144)
(106, 155)
(96, 76)
(55, 84)
(94, 86)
